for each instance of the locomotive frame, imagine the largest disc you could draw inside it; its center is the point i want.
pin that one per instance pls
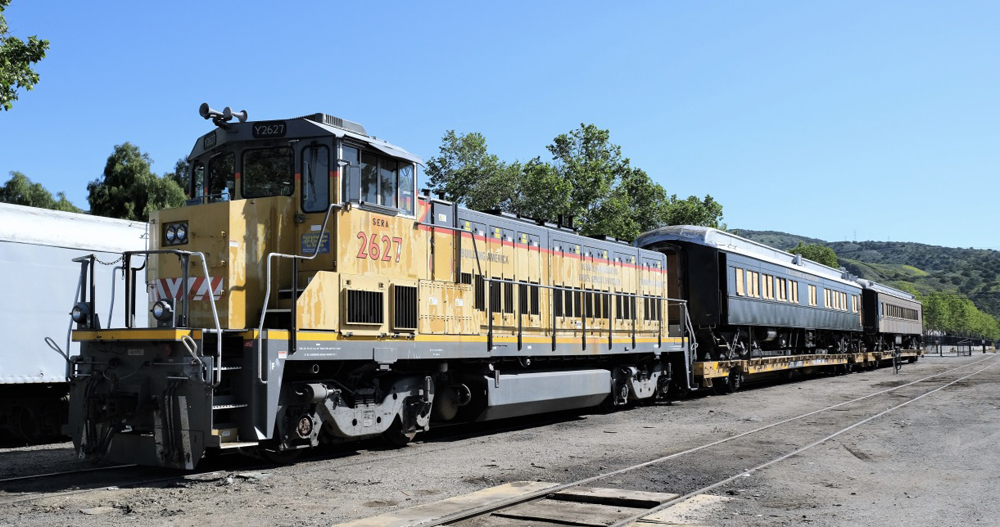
(291, 311)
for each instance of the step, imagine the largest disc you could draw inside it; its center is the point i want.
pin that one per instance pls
(235, 444)
(227, 402)
(231, 406)
(286, 294)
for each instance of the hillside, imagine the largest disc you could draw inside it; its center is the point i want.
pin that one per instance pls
(974, 273)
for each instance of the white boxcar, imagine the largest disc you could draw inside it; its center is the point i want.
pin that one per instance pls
(38, 284)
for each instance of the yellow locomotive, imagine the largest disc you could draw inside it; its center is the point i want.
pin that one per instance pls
(307, 294)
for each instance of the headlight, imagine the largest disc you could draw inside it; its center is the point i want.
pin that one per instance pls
(175, 233)
(162, 310)
(80, 312)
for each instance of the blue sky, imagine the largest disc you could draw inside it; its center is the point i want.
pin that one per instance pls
(836, 120)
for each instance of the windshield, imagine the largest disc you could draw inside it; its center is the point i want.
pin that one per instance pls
(268, 172)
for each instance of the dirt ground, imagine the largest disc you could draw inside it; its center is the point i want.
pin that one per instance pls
(929, 463)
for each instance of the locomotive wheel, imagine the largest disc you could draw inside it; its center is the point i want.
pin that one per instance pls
(720, 385)
(727, 385)
(395, 437)
(621, 398)
(735, 381)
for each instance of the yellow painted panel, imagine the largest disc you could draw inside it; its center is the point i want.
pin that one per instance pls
(136, 334)
(318, 306)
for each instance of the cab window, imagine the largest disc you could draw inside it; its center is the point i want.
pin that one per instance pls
(268, 172)
(197, 189)
(406, 188)
(222, 178)
(387, 182)
(315, 178)
(351, 175)
(377, 180)
(369, 178)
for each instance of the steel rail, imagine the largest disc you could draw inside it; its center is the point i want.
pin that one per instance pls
(748, 472)
(478, 511)
(126, 485)
(63, 473)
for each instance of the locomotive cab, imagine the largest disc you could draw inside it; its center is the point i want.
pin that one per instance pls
(258, 188)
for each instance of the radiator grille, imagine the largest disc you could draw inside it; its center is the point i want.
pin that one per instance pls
(404, 315)
(365, 307)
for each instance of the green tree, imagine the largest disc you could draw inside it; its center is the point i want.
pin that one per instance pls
(934, 311)
(465, 172)
(607, 195)
(691, 211)
(16, 58)
(19, 190)
(635, 205)
(817, 253)
(181, 174)
(591, 164)
(957, 315)
(543, 194)
(588, 180)
(128, 189)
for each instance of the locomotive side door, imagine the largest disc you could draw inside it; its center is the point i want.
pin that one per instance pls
(316, 182)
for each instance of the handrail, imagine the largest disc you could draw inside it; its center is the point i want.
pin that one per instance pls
(185, 256)
(479, 265)
(692, 346)
(475, 249)
(627, 295)
(130, 290)
(111, 308)
(192, 349)
(267, 290)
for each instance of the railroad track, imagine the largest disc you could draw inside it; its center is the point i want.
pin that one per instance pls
(535, 502)
(56, 484)
(22, 489)
(38, 477)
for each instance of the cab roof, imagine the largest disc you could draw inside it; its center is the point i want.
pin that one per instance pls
(308, 126)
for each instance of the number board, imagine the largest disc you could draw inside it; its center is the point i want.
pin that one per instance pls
(209, 140)
(266, 129)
